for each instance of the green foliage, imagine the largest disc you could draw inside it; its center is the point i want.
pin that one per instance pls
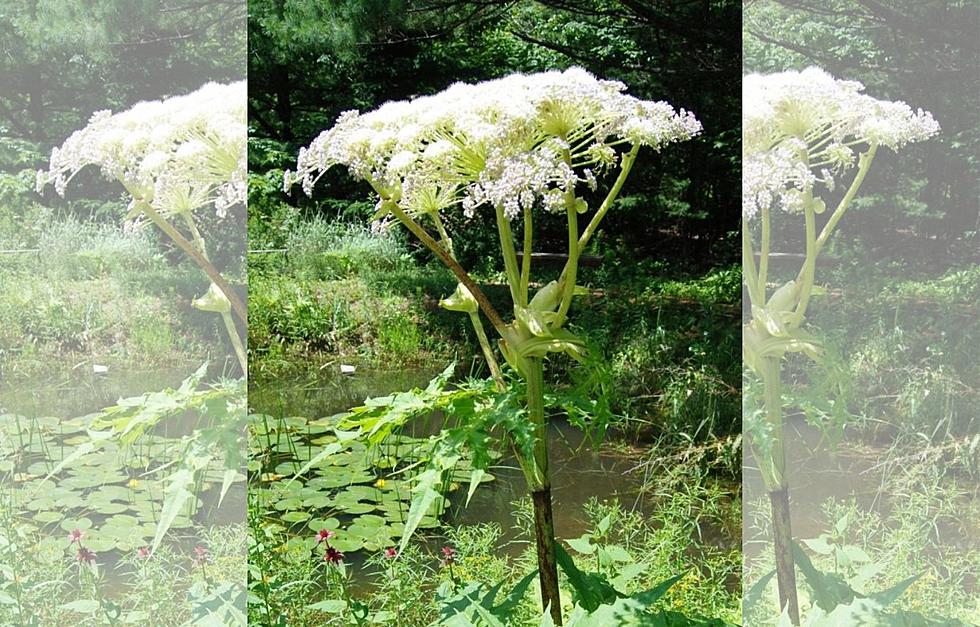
(836, 603)
(476, 604)
(289, 584)
(130, 590)
(93, 291)
(897, 551)
(909, 339)
(65, 61)
(663, 352)
(597, 602)
(220, 411)
(666, 354)
(383, 484)
(318, 249)
(341, 290)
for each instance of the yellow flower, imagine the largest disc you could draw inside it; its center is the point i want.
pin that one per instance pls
(133, 483)
(380, 483)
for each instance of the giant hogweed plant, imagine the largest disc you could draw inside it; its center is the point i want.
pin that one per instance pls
(808, 139)
(502, 150)
(175, 158)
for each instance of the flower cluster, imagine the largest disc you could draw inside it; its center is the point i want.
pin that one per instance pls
(84, 555)
(323, 535)
(177, 154)
(448, 556)
(330, 554)
(512, 143)
(201, 555)
(802, 128)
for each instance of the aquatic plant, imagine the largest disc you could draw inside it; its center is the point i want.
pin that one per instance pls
(804, 135)
(503, 150)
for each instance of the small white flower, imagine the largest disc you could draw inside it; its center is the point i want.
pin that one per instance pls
(589, 178)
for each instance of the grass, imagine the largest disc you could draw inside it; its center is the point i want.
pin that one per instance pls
(335, 290)
(96, 293)
(904, 359)
(167, 589)
(900, 398)
(665, 361)
(921, 532)
(288, 579)
(664, 339)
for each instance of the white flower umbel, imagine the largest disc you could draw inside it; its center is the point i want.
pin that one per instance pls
(803, 128)
(175, 157)
(507, 142)
(803, 133)
(178, 155)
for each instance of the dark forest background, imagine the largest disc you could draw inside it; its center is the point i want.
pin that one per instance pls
(310, 60)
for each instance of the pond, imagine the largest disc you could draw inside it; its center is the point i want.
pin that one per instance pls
(114, 494)
(856, 473)
(580, 471)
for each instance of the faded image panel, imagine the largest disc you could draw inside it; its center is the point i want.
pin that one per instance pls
(122, 312)
(861, 256)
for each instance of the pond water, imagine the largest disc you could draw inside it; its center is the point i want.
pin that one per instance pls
(852, 473)
(111, 494)
(580, 471)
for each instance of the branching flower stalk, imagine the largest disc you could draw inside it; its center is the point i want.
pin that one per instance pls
(465, 302)
(803, 132)
(502, 150)
(174, 157)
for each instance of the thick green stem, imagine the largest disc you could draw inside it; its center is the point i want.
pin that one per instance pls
(751, 276)
(864, 163)
(196, 234)
(510, 255)
(540, 486)
(236, 342)
(626, 164)
(535, 409)
(443, 235)
(774, 468)
(481, 335)
(775, 478)
(809, 267)
(764, 254)
(571, 266)
(624, 171)
(782, 535)
(544, 535)
(526, 260)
